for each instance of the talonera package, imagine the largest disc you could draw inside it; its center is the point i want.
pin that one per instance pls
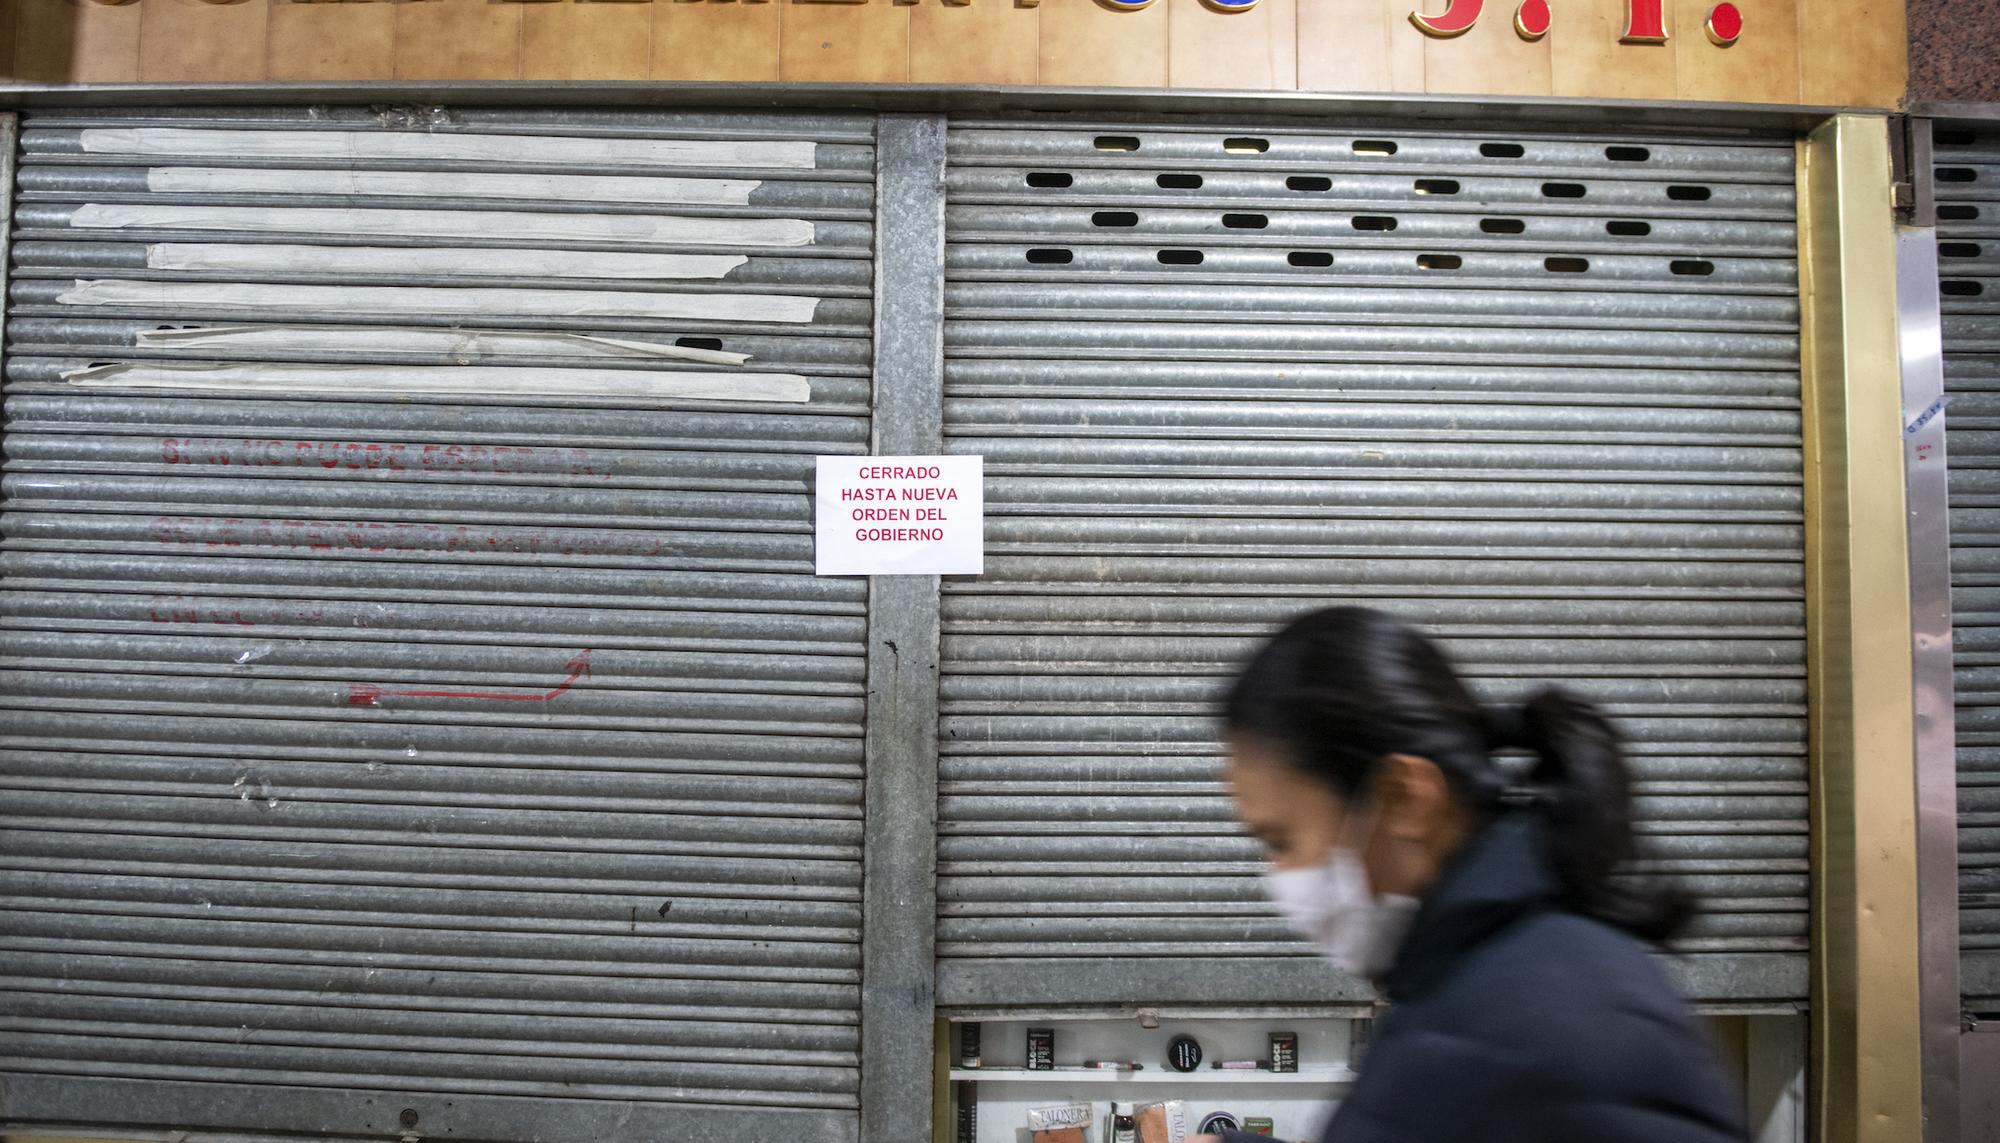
(1163, 1122)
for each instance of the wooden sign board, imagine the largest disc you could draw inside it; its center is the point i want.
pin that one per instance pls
(1847, 52)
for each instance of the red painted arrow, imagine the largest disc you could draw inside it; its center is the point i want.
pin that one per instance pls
(367, 694)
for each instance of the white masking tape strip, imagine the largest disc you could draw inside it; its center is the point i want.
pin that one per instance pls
(284, 340)
(434, 300)
(445, 184)
(402, 260)
(350, 146)
(448, 380)
(614, 229)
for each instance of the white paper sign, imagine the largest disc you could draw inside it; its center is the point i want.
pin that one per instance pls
(900, 515)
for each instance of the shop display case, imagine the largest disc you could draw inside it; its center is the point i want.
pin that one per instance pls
(994, 1090)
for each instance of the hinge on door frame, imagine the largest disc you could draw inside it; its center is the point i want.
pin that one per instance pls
(1910, 156)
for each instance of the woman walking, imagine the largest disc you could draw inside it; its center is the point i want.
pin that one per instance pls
(1496, 916)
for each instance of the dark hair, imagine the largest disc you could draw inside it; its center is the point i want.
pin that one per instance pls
(1343, 688)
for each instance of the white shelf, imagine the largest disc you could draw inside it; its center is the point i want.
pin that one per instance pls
(1319, 1076)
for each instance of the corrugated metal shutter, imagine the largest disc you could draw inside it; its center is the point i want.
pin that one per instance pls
(1967, 181)
(420, 713)
(1538, 392)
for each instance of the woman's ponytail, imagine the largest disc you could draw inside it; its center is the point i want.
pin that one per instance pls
(1581, 781)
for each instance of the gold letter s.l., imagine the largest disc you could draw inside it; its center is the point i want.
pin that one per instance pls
(1457, 19)
(1645, 22)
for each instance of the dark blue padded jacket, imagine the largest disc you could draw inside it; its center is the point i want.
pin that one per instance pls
(1515, 1021)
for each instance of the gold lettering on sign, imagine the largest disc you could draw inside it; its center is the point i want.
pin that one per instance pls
(1457, 19)
(1645, 22)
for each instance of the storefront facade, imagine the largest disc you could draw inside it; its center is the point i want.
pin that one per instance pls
(423, 719)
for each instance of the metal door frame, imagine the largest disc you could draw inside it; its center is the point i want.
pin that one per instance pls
(1947, 1025)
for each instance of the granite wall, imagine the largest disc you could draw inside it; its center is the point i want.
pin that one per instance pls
(1955, 50)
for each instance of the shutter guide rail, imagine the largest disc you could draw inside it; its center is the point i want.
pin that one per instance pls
(900, 852)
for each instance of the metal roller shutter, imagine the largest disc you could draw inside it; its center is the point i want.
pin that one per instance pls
(1967, 182)
(1537, 392)
(420, 713)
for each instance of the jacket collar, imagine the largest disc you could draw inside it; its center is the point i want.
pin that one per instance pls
(1501, 875)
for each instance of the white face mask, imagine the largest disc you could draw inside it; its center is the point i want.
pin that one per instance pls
(1332, 906)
